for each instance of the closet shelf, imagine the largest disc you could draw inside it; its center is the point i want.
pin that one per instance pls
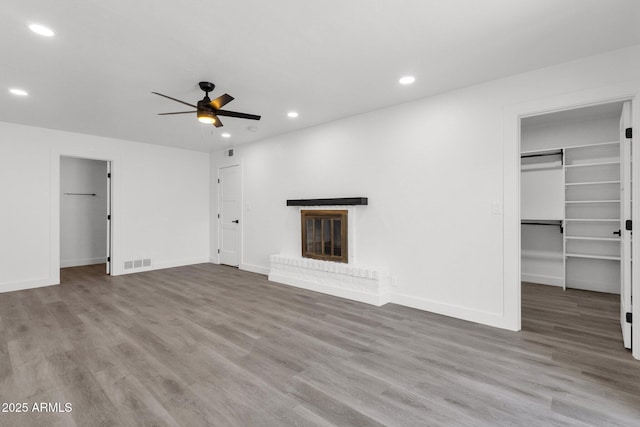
(529, 168)
(591, 183)
(583, 165)
(591, 201)
(547, 150)
(612, 258)
(594, 219)
(548, 255)
(600, 144)
(599, 239)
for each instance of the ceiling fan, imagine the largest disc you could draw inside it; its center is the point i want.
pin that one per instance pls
(208, 110)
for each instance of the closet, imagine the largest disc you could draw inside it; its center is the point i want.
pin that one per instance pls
(84, 212)
(576, 198)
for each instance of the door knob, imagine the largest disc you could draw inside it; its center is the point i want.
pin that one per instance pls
(619, 233)
(236, 221)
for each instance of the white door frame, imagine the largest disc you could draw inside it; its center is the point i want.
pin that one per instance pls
(108, 219)
(240, 210)
(54, 212)
(626, 238)
(511, 189)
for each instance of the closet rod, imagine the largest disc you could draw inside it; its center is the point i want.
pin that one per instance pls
(557, 153)
(543, 223)
(540, 155)
(79, 194)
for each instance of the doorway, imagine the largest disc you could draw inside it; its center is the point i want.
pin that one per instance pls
(575, 206)
(85, 214)
(229, 212)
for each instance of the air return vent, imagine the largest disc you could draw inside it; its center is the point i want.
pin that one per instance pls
(137, 263)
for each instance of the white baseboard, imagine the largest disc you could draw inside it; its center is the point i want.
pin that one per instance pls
(161, 266)
(464, 313)
(214, 260)
(594, 286)
(254, 269)
(179, 263)
(542, 280)
(365, 297)
(28, 284)
(80, 262)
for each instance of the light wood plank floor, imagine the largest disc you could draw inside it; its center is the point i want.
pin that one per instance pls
(212, 345)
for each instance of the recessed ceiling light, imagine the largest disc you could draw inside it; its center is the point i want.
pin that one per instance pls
(226, 135)
(407, 80)
(18, 92)
(41, 30)
(292, 114)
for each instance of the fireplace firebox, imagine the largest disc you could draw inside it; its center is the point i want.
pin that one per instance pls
(324, 235)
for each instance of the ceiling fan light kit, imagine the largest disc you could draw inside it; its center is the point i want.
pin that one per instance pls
(206, 117)
(207, 110)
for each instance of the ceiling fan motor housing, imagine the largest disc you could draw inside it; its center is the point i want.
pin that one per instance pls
(204, 104)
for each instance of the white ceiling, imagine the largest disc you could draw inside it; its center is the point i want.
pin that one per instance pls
(326, 59)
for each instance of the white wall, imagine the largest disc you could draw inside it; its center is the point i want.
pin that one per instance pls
(433, 170)
(83, 219)
(160, 202)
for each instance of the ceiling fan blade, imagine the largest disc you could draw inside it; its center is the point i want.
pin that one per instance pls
(238, 115)
(180, 112)
(220, 101)
(218, 123)
(177, 100)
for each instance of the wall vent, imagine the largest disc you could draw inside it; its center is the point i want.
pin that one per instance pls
(137, 263)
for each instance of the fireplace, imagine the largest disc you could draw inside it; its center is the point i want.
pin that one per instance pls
(329, 261)
(324, 235)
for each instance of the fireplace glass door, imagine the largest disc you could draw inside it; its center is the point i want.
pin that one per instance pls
(324, 235)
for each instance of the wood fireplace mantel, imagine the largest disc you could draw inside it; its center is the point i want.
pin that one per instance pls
(341, 201)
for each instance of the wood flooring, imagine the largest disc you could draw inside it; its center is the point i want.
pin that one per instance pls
(210, 345)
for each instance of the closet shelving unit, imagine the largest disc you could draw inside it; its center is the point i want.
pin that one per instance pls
(591, 221)
(592, 202)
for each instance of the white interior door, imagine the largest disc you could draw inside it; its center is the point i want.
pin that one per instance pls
(229, 215)
(625, 214)
(108, 217)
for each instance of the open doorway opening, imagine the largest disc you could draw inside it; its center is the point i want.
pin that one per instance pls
(85, 216)
(576, 240)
